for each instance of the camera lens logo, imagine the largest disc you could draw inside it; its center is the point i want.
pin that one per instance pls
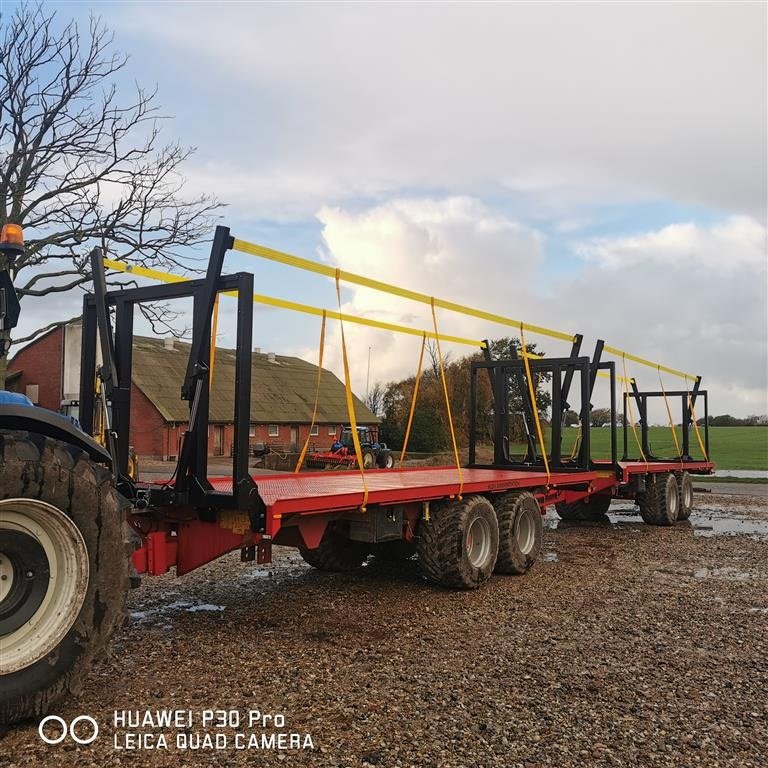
(70, 729)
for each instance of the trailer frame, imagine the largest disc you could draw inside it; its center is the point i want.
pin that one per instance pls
(191, 519)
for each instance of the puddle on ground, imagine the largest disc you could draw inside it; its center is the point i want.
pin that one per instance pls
(179, 605)
(550, 557)
(707, 522)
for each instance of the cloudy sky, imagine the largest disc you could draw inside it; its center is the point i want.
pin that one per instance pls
(596, 168)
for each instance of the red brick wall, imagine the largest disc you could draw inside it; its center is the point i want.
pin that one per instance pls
(41, 363)
(149, 434)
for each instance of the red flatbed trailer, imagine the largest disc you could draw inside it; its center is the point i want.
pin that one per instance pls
(299, 506)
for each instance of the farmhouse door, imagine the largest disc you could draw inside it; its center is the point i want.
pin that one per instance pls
(218, 440)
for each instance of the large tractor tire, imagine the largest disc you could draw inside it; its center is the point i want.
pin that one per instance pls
(63, 570)
(685, 485)
(385, 460)
(336, 553)
(521, 530)
(458, 545)
(592, 508)
(369, 459)
(660, 502)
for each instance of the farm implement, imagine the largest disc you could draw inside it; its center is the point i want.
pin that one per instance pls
(76, 529)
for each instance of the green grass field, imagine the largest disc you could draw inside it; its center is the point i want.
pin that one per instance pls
(730, 447)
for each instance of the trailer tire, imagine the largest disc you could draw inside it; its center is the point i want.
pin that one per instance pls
(685, 484)
(336, 553)
(459, 543)
(584, 510)
(660, 502)
(58, 507)
(394, 551)
(385, 460)
(521, 530)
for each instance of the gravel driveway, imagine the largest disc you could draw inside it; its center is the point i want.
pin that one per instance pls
(625, 645)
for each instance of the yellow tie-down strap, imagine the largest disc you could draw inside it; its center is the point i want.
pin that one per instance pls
(294, 306)
(271, 301)
(350, 277)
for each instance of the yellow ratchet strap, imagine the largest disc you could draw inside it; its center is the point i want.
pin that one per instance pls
(622, 354)
(631, 412)
(671, 421)
(695, 425)
(271, 301)
(534, 407)
(317, 397)
(351, 404)
(447, 403)
(349, 277)
(413, 400)
(214, 330)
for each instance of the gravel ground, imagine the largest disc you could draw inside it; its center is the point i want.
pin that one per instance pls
(625, 645)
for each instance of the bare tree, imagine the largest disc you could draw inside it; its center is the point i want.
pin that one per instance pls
(83, 165)
(434, 358)
(374, 400)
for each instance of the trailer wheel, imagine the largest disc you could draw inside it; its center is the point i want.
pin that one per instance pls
(685, 484)
(336, 553)
(458, 545)
(521, 530)
(660, 502)
(582, 510)
(395, 551)
(385, 460)
(66, 566)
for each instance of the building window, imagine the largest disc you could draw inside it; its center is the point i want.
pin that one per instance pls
(314, 431)
(274, 430)
(252, 430)
(332, 431)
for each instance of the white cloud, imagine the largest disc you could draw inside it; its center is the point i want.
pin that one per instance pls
(689, 297)
(563, 103)
(737, 243)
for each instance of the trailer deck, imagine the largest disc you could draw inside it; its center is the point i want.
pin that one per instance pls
(308, 493)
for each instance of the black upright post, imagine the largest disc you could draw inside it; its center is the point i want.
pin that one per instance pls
(121, 395)
(243, 381)
(556, 434)
(200, 395)
(473, 413)
(585, 452)
(87, 364)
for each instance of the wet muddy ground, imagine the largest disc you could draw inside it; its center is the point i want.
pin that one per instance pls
(625, 645)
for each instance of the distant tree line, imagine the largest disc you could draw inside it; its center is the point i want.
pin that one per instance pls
(733, 421)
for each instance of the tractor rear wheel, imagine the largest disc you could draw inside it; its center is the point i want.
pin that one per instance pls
(459, 543)
(336, 553)
(660, 501)
(369, 460)
(521, 530)
(592, 508)
(385, 460)
(685, 484)
(65, 566)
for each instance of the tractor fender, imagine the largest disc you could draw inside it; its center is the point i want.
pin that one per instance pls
(51, 424)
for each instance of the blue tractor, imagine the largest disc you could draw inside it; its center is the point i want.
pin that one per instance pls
(64, 565)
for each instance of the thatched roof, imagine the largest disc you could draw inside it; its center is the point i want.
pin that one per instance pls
(281, 392)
